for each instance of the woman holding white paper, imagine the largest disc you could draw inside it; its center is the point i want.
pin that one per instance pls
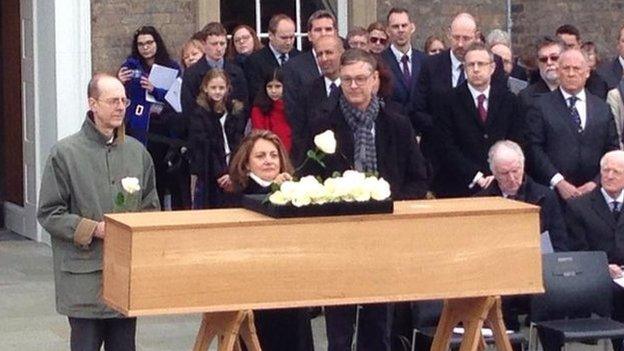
(147, 101)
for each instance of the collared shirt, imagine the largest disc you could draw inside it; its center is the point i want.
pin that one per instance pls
(581, 107)
(263, 183)
(609, 199)
(398, 55)
(215, 64)
(328, 83)
(475, 95)
(455, 71)
(277, 54)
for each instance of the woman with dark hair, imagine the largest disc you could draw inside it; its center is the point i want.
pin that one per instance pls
(244, 42)
(148, 49)
(268, 108)
(148, 117)
(260, 161)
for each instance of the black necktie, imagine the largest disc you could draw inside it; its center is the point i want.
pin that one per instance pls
(282, 59)
(333, 88)
(407, 76)
(462, 76)
(615, 209)
(574, 114)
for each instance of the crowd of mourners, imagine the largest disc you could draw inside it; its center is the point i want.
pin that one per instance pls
(462, 117)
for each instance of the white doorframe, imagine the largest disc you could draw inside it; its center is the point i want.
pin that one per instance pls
(56, 67)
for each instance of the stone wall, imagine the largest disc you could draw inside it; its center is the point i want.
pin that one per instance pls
(113, 23)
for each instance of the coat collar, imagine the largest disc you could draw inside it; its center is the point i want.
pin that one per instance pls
(89, 128)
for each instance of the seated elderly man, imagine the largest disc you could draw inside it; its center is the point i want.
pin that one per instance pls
(506, 161)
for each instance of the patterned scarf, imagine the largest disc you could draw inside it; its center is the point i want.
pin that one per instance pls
(362, 124)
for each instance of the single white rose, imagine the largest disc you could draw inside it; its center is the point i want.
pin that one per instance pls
(288, 189)
(326, 142)
(277, 198)
(381, 191)
(301, 199)
(360, 193)
(130, 185)
(354, 176)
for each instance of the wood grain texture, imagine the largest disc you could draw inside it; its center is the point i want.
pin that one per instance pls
(229, 260)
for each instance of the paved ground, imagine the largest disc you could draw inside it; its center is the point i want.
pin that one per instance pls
(28, 320)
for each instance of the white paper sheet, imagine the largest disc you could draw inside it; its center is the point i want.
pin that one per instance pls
(162, 77)
(173, 95)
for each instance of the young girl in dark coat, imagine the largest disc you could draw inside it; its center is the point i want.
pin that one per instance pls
(268, 108)
(216, 128)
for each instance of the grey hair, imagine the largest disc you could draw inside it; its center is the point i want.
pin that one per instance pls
(504, 145)
(498, 36)
(609, 154)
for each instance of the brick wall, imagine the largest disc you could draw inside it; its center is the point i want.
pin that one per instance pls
(113, 23)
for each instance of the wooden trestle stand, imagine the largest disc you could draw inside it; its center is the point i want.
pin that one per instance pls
(225, 263)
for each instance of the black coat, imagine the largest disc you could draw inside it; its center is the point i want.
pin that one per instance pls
(551, 217)
(194, 75)
(529, 95)
(402, 93)
(555, 146)
(399, 160)
(259, 65)
(208, 160)
(463, 140)
(298, 72)
(611, 72)
(592, 226)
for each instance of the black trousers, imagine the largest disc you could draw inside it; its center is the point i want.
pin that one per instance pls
(117, 334)
(287, 329)
(373, 329)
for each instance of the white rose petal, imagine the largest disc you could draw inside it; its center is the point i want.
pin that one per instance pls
(288, 190)
(326, 142)
(381, 191)
(130, 185)
(277, 198)
(301, 200)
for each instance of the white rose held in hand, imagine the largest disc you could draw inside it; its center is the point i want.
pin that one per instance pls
(326, 142)
(130, 185)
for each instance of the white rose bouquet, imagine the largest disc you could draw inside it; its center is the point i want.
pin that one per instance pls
(127, 199)
(350, 186)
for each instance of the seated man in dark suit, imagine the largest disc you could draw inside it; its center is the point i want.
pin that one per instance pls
(569, 130)
(321, 91)
(214, 39)
(279, 50)
(611, 70)
(402, 59)
(475, 115)
(369, 138)
(303, 69)
(594, 223)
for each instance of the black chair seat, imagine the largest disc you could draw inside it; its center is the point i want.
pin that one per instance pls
(583, 328)
(515, 338)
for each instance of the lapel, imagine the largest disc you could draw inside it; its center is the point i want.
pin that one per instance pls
(589, 119)
(310, 66)
(382, 142)
(600, 207)
(269, 57)
(344, 137)
(467, 101)
(617, 68)
(395, 67)
(446, 75)
(416, 65)
(494, 105)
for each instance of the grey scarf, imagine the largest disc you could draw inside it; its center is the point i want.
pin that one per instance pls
(362, 124)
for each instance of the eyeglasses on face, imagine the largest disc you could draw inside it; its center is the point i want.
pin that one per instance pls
(148, 43)
(359, 80)
(477, 64)
(544, 59)
(376, 40)
(116, 101)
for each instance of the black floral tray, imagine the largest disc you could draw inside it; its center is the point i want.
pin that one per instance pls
(258, 204)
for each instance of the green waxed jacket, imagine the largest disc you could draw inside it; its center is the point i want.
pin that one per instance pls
(81, 178)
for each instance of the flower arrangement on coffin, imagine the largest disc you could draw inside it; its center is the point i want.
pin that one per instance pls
(351, 186)
(127, 199)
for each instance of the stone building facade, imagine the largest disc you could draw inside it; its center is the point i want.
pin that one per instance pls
(114, 21)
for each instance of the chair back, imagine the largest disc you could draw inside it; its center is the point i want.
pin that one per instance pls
(577, 284)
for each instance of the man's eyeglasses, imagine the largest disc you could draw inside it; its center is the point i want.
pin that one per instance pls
(359, 80)
(116, 101)
(242, 38)
(376, 40)
(142, 44)
(478, 64)
(544, 59)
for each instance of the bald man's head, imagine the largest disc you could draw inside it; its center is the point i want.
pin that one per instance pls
(462, 33)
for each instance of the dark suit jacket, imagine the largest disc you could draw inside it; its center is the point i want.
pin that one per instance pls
(597, 85)
(402, 91)
(592, 226)
(463, 140)
(556, 147)
(611, 72)
(259, 65)
(314, 97)
(551, 217)
(298, 72)
(399, 160)
(529, 95)
(193, 76)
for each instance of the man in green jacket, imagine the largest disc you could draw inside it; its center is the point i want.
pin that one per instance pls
(81, 182)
